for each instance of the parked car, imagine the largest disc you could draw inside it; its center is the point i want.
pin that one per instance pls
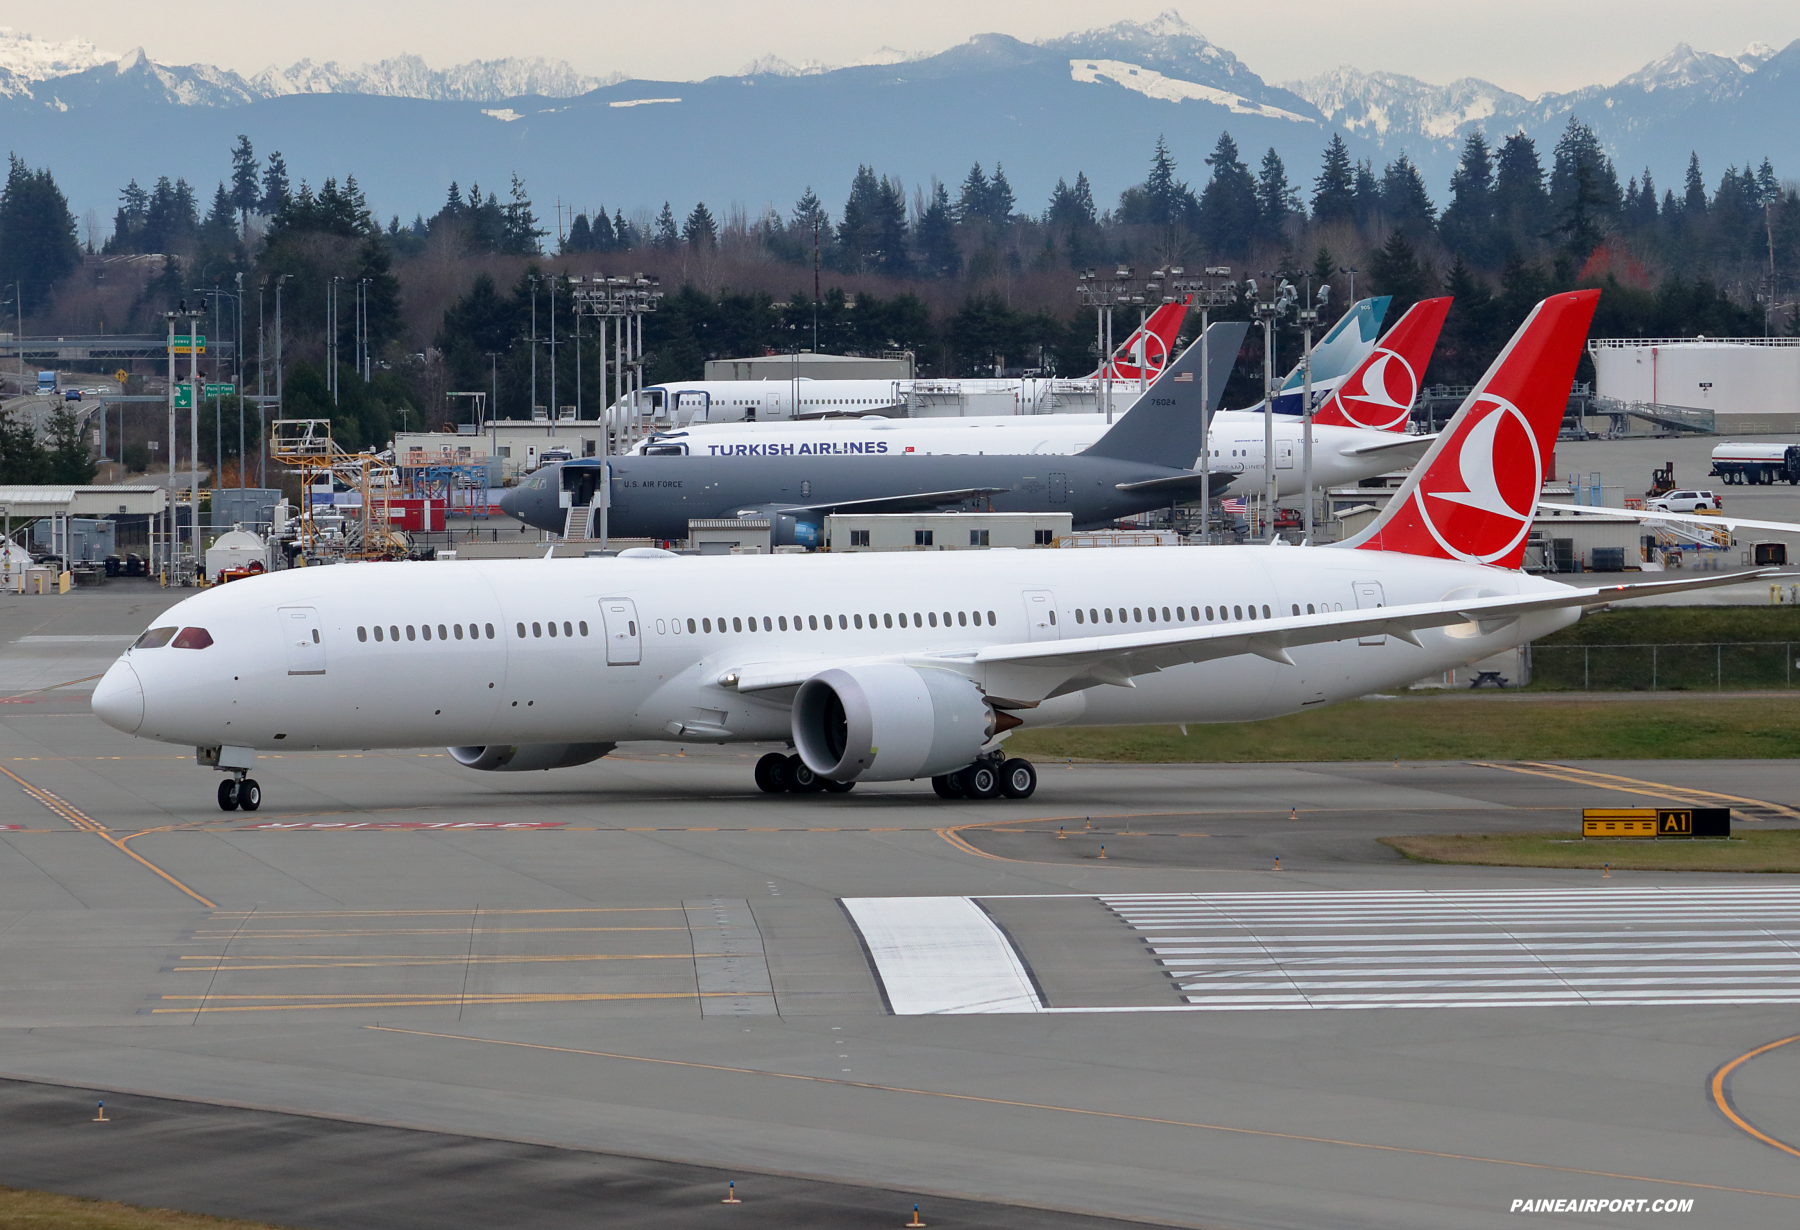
(1685, 501)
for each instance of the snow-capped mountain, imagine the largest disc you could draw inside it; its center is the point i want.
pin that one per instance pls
(1093, 102)
(28, 64)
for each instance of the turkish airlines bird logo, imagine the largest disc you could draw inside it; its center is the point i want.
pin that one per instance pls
(1147, 351)
(1481, 511)
(1379, 394)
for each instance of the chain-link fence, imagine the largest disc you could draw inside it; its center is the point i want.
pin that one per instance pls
(1716, 667)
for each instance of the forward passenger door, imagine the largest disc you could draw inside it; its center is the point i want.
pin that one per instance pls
(304, 639)
(1368, 597)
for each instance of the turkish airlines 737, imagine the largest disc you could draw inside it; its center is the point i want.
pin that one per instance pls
(877, 668)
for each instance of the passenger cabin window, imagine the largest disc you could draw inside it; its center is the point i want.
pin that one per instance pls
(362, 634)
(410, 634)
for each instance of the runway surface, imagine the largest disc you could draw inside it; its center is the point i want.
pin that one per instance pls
(643, 965)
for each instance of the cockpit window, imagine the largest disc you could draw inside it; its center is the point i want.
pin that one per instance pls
(193, 638)
(155, 638)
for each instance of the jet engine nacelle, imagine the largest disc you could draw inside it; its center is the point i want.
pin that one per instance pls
(785, 528)
(887, 723)
(502, 758)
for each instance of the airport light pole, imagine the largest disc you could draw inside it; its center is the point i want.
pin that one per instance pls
(1268, 312)
(1206, 294)
(1308, 318)
(280, 379)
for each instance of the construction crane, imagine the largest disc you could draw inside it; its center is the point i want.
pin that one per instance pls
(306, 446)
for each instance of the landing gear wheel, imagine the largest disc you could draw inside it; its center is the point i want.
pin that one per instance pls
(228, 795)
(249, 794)
(832, 787)
(949, 786)
(980, 781)
(1018, 779)
(802, 780)
(771, 773)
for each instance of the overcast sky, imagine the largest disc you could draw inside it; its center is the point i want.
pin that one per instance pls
(1525, 45)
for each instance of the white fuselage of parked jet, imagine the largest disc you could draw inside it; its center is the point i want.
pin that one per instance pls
(653, 646)
(1341, 455)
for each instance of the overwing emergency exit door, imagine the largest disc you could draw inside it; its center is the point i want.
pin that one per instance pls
(1368, 597)
(1040, 615)
(624, 643)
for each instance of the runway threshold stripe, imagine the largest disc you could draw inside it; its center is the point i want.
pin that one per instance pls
(1475, 949)
(1084, 1112)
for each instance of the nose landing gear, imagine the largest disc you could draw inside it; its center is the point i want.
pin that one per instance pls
(240, 793)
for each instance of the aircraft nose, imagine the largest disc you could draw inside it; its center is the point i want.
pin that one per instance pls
(509, 502)
(119, 698)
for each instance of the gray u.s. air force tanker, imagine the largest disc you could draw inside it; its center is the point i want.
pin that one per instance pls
(1140, 464)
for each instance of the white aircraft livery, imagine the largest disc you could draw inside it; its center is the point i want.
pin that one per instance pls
(876, 668)
(1357, 428)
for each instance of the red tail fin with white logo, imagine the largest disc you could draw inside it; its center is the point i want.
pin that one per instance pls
(1150, 345)
(1473, 495)
(1380, 393)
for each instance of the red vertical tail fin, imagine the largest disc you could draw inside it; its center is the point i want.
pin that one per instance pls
(1379, 394)
(1152, 345)
(1473, 495)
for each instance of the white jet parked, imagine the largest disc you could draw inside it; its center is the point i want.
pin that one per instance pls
(877, 668)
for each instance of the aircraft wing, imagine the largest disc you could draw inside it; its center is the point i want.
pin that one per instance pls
(1026, 673)
(1039, 670)
(1399, 445)
(1714, 520)
(1175, 484)
(898, 503)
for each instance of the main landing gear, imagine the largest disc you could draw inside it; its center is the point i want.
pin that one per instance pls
(986, 779)
(777, 773)
(240, 793)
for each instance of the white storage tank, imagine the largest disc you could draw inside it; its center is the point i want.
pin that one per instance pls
(1750, 384)
(237, 549)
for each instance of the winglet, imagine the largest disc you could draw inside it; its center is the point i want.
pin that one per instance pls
(1473, 495)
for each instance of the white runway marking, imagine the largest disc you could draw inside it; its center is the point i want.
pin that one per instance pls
(1517, 948)
(941, 955)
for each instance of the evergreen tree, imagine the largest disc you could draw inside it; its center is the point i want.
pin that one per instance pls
(972, 204)
(245, 190)
(1768, 188)
(873, 232)
(520, 232)
(1468, 341)
(700, 231)
(22, 458)
(1520, 202)
(1323, 268)
(1467, 224)
(221, 225)
(1000, 200)
(1366, 194)
(1396, 271)
(129, 221)
(1404, 200)
(1693, 202)
(810, 216)
(1584, 190)
(66, 455)
(1163, 201)
(625, 235)
(1334, 191)
(274, 186)
(604, 237)
(935, 237)
(38, 247)
(580, 237)
(1066, 209)
(1228, 206)
(1276, 201)
(667, 237)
